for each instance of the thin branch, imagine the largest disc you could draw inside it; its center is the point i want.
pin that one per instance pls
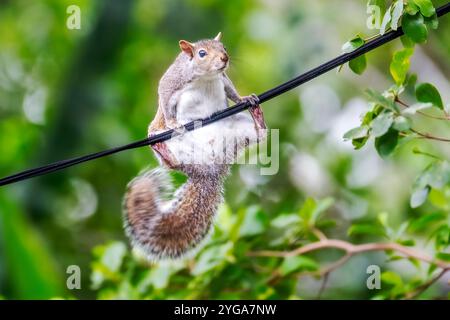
(335, 265)
(445, 118)
(351, 250)
(319, 234)
(421, 289)
(429, 136)
(323, 285)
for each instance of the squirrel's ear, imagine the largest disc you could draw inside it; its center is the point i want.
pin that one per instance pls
(218, 37)
(187, 47)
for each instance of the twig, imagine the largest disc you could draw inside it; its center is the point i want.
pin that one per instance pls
(335, 265)
(319, 234)
(429, 136)
(421, 289)
(323, 285)
(351, 250)
(445, 118)
(325, 272)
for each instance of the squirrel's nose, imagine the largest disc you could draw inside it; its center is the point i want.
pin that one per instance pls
(224, 58)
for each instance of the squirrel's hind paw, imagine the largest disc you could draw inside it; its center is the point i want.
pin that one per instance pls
(252, 99)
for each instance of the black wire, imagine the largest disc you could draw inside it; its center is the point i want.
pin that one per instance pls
(268, 95)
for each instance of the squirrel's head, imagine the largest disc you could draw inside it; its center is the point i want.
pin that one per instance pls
(209, 57)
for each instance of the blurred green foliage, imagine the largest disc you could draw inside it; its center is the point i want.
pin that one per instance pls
(68, 92)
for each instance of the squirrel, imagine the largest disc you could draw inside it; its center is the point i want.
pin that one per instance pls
(193, 87)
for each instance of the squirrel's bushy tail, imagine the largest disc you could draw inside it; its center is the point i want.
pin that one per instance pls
(169, 229)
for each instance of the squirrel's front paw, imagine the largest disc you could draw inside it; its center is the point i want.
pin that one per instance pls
(252, 99)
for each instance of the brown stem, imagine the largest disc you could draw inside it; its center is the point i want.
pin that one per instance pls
(421, 289)
(335, 265)
(429, 136)
(351, 250)
(322, 286)
(445, 118)
(319, 234)
(401, 102)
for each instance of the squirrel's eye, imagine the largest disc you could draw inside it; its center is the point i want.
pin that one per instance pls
(202, 53)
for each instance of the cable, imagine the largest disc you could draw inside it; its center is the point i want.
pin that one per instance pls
(266, 96)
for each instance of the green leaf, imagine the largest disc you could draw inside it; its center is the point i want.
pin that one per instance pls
(443, 256)
(418, 197)
(366, 229)
(410, 83)
(426, 220)
(356, 133)
(426, 7)
(440, 198)
(358, 65)
(391, 278)
(378, 98)
(285, 220)
(387, 143)
(359, 136)
(426, 92)
(400, 65)
(306, 211)
(436, 176)
(353, 44)
(432, 267)
(254, 223)
(297, 263)
(417, 107)
(402, 124)
(326, 224)
(383, 219)
(407, 42)
(212, 257)
(321, 207)
(439, 174)
(113, 255)
(359, 143)
(442, 237)
(109, 259)
(397, 13)
(411, 7)
(407, 242)
(159, 276)
(382, 124)
(432, 22)
(415, 28)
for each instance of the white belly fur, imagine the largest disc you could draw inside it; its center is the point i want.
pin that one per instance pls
(215, 143)
(200, 99)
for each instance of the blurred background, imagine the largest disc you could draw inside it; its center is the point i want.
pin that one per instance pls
(66, 92)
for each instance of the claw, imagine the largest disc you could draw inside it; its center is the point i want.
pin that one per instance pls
(252, 99)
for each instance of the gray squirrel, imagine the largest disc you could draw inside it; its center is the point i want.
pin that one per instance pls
(194, 86)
